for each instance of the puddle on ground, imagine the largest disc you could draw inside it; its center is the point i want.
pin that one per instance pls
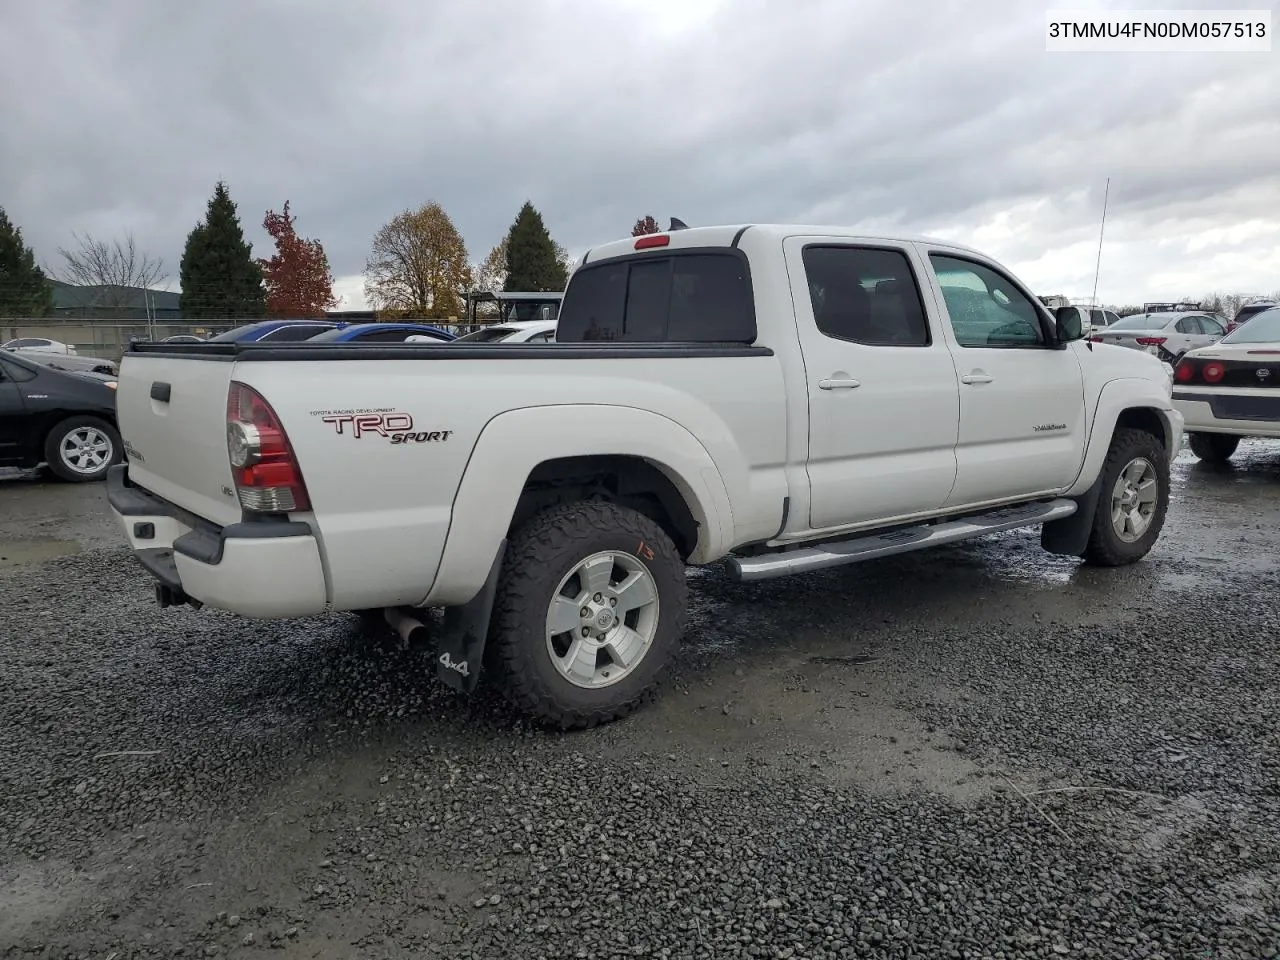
(20, 553)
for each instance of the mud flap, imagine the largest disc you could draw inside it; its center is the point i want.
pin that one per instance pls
(460, 649)
(1070, 535)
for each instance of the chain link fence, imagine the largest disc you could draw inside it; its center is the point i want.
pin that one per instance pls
(107, 339)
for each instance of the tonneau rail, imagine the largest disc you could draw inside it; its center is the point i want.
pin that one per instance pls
(246, 352)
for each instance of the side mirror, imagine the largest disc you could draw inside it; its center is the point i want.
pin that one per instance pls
(1070, 324)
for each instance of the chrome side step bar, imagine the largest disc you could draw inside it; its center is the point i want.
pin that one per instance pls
(902, 540)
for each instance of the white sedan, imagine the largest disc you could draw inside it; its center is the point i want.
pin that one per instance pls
(518, 331)
(39, 345)
(1231, 389)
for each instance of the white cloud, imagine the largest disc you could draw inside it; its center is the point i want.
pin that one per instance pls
(941, 117)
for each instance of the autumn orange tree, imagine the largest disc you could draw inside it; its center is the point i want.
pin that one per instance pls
(297, 277)
(418, 266)
(644, 225)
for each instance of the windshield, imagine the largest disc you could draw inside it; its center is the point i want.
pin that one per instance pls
(488, 334)
(235, 333)
(1261, 328)
(1139, 322)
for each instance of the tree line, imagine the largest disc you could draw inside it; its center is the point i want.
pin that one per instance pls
(418, 266)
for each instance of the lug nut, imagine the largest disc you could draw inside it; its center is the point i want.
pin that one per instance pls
(597, 598)
(586, 632)
(613, 601)
(586, 611)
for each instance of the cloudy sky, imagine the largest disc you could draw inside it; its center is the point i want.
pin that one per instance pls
(946, 118)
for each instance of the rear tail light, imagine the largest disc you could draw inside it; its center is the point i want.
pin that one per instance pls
(1151, 341)
(1095, 340)
(1213, 372)
(1185, 371)
(263, 465)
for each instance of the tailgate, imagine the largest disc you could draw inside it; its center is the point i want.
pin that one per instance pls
(172, 412)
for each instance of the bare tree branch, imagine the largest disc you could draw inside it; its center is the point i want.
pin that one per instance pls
(112, 266)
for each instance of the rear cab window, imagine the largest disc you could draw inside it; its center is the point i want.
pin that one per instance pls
(674, 296)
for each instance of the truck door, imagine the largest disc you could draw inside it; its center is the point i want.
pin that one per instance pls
(1022, 411)
(882, 393)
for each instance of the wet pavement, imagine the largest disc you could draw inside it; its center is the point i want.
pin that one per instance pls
(979, 751)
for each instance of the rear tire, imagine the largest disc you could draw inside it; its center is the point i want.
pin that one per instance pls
(1213, 447)
(1134, 500)
(82, 449)
(588, 615)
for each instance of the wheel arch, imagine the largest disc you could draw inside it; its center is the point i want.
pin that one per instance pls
(1127, 404)
(529, 458)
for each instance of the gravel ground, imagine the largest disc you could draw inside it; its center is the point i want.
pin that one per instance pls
(979, 752)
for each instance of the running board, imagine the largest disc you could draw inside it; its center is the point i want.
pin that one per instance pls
(901, 540)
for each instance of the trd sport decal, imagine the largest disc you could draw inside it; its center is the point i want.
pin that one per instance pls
(388, 424)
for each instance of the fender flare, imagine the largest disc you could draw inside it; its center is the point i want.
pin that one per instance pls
(1114, 399)
(513, 443)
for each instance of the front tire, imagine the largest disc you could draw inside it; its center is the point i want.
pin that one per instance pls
(82, 449)
(588, 615)
(1213, 447)
(1134, 500)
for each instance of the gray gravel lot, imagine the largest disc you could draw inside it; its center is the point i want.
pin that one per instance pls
(982, 751)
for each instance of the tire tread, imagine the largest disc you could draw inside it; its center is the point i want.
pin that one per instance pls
(546, 535)
(1104, 548)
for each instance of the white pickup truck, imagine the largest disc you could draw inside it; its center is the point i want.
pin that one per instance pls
(789, 398)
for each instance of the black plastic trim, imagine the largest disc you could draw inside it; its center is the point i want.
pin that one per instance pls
(738, 236)
(1070, 535)
(786, 515)
(160, 564)
(130, 501)
(207, 546)
(253, 352)
(460, 650)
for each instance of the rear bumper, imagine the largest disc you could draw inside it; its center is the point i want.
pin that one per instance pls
(1252, 414)
(268, 569)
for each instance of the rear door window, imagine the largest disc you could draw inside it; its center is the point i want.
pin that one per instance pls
(695, 297)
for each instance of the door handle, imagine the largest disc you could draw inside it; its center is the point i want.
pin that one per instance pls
(837, 384)
(976, 378)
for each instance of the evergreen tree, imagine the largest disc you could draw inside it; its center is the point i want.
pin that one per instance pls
(24, 289)
(533, 262)
(219, 276)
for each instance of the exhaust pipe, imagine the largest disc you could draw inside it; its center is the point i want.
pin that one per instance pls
(411, 630)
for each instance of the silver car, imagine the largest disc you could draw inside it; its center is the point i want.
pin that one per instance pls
(1166, 335)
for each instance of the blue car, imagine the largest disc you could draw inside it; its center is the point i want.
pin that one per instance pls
(331, 331)
(383, 333)
(277, 331)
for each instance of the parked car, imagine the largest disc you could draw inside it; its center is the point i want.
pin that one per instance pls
(785, 398)
(39, 344)
(183, 338)
(522, 331)
(71, 362)
(63, 419)
(1166, 335)
(383, 333)
(1100, 319)
(1232, 389)
(1249, 310)
(275, 331)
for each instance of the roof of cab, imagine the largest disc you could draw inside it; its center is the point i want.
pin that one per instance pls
(730, 235)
